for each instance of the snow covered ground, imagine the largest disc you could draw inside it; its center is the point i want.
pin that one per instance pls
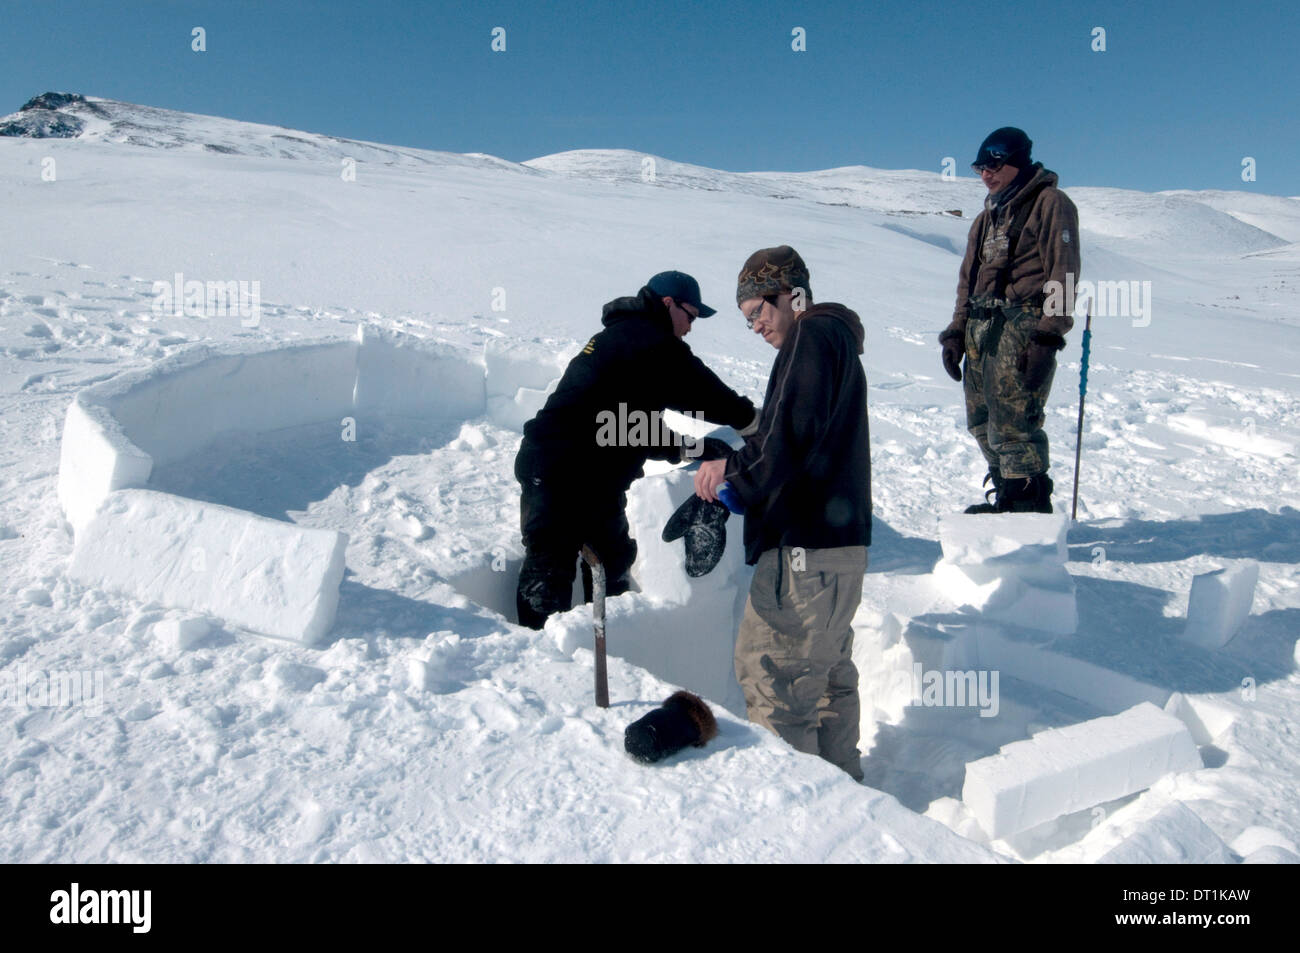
(425, 725)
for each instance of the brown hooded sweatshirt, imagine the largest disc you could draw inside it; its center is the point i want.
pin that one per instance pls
(1048, 250)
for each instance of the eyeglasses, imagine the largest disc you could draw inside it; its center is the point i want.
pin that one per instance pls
(758, 312)
(997, 161)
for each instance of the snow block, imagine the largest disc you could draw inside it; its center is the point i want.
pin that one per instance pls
(175, 407)
(264, 575)
(1103, 688)
(95, 458)
(1205, 716)
(1068, 769)
(1220, 603)
(681, 629)
(405, 376)
(520, 376)
(1175, 835)
(1009, 568)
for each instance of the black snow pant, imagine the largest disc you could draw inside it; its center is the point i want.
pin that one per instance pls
(557, 519)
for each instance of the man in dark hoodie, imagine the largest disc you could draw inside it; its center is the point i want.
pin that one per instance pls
(589, 442)
(804, 478)
(1014, 307)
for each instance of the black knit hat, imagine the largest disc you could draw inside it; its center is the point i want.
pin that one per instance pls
(1008, 144)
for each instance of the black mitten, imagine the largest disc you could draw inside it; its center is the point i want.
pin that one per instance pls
(954, 349)
(683, 720)
(704, 525)
(1039, 359)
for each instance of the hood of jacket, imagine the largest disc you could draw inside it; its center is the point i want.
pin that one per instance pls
(844, 315)
(645, 304)
(1009, 206)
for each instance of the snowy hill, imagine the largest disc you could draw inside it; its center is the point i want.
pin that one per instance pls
(425, 725)
(91, 119)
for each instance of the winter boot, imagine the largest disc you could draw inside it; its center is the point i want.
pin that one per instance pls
(1026, 495)
(989, 505)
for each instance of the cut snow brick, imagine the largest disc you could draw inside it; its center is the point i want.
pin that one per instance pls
(1068, 769)
(258, 573)
(1173, 836)
(1103, 688)
(1205, 716)
(681, 628)
(1009, 568)
(95, 458)
(1220, 603)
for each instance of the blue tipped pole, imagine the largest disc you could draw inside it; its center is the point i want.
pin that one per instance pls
(1083, 392)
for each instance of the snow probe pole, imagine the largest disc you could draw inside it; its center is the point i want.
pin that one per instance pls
(1083, 390)
(598, 615)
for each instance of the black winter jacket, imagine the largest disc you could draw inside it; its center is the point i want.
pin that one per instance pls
(636, 362)
(805, 476)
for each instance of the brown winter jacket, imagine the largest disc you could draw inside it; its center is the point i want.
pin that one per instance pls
(1048, 250)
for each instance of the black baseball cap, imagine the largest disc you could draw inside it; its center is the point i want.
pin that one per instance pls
(680, 287)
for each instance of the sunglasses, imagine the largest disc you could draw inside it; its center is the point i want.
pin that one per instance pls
(757, 312)
(684, 311)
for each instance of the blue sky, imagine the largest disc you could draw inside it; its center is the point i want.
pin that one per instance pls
(1182, 93)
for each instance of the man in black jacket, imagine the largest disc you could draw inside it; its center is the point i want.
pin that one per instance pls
(592, 438)
(805, 479)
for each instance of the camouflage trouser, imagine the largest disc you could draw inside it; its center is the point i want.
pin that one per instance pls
(1004, 417)
(794, 652)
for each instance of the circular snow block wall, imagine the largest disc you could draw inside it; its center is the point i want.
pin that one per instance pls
(263, 574)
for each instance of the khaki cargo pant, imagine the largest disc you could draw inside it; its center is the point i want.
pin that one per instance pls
(794, 651)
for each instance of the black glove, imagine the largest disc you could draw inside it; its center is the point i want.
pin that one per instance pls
(953, 342)
(1039, 359)
(684, 719)
(711, 449)
(704, 525)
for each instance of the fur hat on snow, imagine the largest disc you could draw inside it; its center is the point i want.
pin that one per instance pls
(683, 720)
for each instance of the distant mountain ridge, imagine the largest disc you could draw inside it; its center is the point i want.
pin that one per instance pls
(61, 115)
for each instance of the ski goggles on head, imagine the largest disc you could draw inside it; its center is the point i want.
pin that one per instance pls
(995, 161)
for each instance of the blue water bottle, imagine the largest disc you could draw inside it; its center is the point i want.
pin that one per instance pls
(730, 498)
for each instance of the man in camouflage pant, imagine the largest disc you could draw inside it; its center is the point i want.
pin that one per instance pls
(1014, 307)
